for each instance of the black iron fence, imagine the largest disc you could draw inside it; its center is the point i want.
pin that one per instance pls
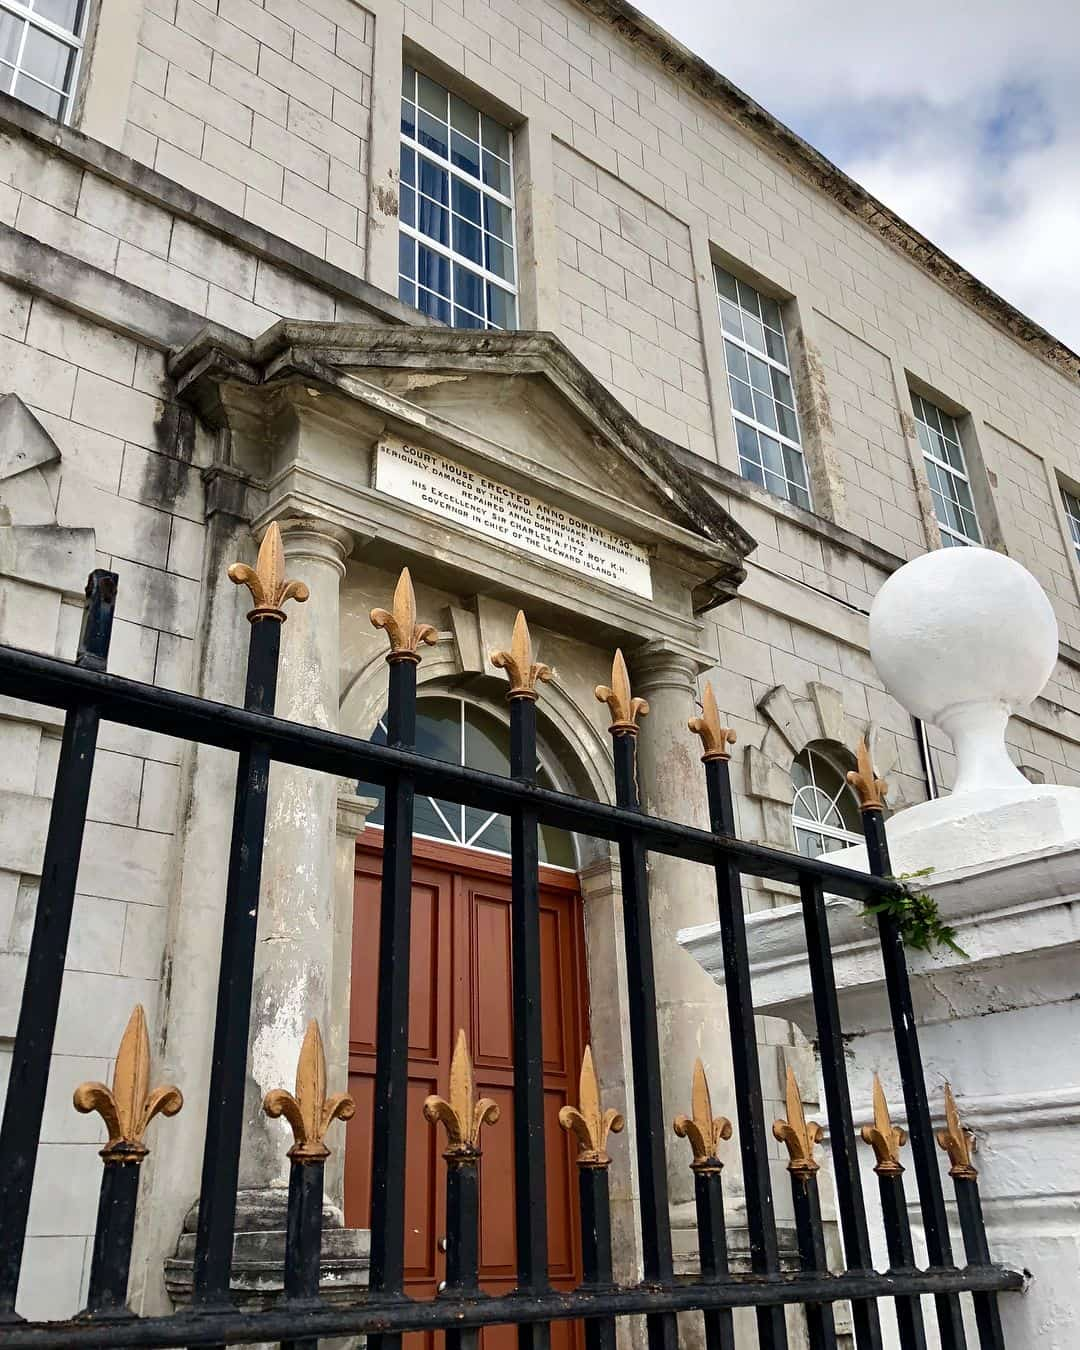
(89, 695)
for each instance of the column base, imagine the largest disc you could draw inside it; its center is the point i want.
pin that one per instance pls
(258, 1269)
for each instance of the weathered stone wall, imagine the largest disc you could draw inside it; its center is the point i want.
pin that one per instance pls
(264, 110)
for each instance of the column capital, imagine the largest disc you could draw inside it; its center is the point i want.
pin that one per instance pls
(660, 664)
(317, 540)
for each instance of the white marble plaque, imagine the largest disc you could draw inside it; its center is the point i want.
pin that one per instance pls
(500, 512)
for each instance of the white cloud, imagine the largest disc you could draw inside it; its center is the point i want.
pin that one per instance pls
(963, 117)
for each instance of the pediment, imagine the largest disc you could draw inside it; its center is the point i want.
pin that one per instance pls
(515, 406)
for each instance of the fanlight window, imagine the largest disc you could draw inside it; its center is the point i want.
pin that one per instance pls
(461, 733)
(825, 813)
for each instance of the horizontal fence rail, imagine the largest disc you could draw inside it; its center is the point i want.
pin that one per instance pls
(89, 695)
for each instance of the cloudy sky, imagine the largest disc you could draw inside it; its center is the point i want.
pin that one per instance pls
(964, 117)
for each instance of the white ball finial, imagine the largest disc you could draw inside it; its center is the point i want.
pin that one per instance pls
(961, 637)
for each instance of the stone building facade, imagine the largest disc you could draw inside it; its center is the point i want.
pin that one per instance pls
(204, 241)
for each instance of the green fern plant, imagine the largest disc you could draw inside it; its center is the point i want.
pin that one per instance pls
(918, 917)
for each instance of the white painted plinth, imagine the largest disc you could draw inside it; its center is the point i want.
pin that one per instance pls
(1003, 1027)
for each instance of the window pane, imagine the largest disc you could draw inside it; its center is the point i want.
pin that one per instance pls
(468, 241)
(731, 318)
(463, 318)
(46, 58)
(774, 343)
(781, 387)
(788, 423)
(408, 83)
(498, 219)
(747, 440)
(496, 138)
(753, 472)
(502, 307)
(736, 361)
(795, 466)
(725, 284)
(759, 375)
(433, 304)
(755, 334)
(497, 174)
(407, 206)
(741, 397)
(500, 257)
(433, 271)
(10, 37)
(465, 154)
(771, 456)
(63, 13)
(556, 847)
(770, 314)
(432, 135)
(748, 299)
(466, 201)
(406, 291)
(464, 119)
(765, 411)
(432, 97)
(434, 221)
(406, 255)
(408, 119)
(408, 165)
(434, 181)
(38, 96)
(468, 289)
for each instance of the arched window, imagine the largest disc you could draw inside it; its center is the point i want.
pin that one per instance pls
(825, 814)
(449, 728)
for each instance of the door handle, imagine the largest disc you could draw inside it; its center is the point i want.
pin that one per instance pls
(443, 1244)
(440, 1286)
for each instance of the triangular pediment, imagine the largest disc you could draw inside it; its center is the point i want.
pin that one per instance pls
(519, 392)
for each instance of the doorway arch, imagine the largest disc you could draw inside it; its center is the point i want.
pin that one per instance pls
(460, 976)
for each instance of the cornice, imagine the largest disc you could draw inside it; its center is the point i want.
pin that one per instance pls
(811, 165)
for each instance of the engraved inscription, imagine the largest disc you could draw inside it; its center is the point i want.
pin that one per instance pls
(450, 490)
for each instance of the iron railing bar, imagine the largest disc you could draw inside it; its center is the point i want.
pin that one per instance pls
(54, 683)
(325, 1319)
(913, 1081)
(649, 1131)
(842, 1137)
(39, 1005)
(390, 1097)
(216, 1220)
(530, 1184)
(746, 1069)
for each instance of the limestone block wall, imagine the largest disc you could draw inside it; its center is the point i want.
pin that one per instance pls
(264, 110)
(118, 462)
(628, 301)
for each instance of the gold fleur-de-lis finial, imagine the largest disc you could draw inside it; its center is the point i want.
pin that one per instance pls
(588, 1121)
(957, 1141)
(625, 709)
(518, 662)
(704, 1130)
(462, 1116)
(266, 580)
(309, 1110)
(715, 738)
(885, 1138)
(799, 1134)
(129, 1106)
(868, 787)
(404, 632)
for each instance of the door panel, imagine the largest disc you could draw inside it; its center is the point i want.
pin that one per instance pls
(460, 976)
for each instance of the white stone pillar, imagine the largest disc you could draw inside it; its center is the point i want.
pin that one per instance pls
(690, 1010)
(294, 959)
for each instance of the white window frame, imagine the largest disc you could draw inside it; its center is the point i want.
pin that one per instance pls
(1071, 502)
(949, 533)
(807, 823)
(739, 416)
(71, 38)
(411, 231)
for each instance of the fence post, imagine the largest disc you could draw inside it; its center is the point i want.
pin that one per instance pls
(127, 1108)
(705, 1133)
(746, 1071)
(228, 1066)
(871, 792)
(36, 1030)
(592, 1124)
(462, 1117)
(387, 1272)
(310, 1114)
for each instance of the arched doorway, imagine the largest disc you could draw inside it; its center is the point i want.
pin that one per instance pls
(460, 977)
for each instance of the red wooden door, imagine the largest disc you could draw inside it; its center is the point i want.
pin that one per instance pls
(460, 977)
